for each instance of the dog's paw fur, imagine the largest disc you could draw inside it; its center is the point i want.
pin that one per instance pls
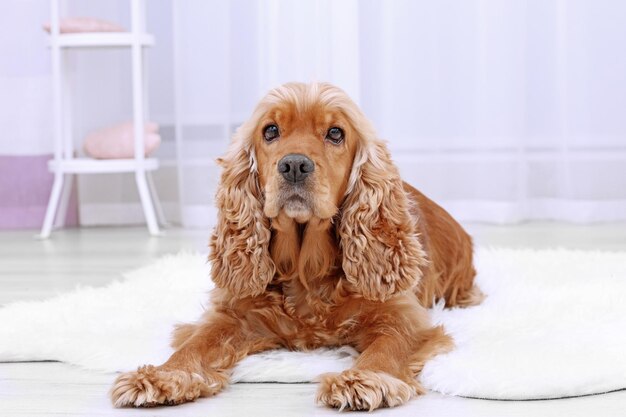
(150, 386)
(356, 389)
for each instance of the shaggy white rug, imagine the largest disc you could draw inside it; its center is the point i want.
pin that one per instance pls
(553, 325)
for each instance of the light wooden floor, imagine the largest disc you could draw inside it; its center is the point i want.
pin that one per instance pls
(31, 269)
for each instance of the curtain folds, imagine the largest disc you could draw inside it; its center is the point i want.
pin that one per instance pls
(503, 111)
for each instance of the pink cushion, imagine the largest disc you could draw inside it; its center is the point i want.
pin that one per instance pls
(117, 142)
(84, 24)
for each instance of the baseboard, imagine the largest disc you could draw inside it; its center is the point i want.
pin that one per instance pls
(192, 216)
(199, 216)
(498, 212)
(122, 214)
(566, 210)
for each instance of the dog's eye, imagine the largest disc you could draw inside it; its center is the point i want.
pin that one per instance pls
(335, 135)
(271, 132)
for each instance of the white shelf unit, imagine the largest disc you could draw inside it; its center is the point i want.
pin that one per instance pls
(65, 165)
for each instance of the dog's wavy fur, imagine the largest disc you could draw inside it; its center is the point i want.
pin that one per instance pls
(358, 266)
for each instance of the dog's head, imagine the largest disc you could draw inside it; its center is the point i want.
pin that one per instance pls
(308, 153)
(305, 146)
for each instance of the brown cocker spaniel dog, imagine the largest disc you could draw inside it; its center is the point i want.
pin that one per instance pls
(318, 243)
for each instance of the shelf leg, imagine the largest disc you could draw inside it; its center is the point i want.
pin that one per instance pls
(146, 202)
(64, 203)
(155, 199)
(53, 204)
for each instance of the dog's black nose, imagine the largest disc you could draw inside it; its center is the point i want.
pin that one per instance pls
(295, 167)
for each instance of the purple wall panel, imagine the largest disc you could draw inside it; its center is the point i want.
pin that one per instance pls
(25, 185)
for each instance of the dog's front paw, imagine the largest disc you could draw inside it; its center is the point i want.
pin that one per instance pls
(150, 386)
(356, 389)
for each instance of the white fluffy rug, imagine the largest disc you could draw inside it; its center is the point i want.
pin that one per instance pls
(553, 325)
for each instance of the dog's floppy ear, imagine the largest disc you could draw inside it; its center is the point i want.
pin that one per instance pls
(381, 251)
(239, 245)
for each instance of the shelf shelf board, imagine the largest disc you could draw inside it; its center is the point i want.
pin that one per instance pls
(101, 166)
(101, 40)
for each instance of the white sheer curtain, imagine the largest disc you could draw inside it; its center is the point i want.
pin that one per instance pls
(501, 110)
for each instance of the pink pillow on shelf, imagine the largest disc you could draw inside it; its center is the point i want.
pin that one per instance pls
(117, 142)
(84, 24)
